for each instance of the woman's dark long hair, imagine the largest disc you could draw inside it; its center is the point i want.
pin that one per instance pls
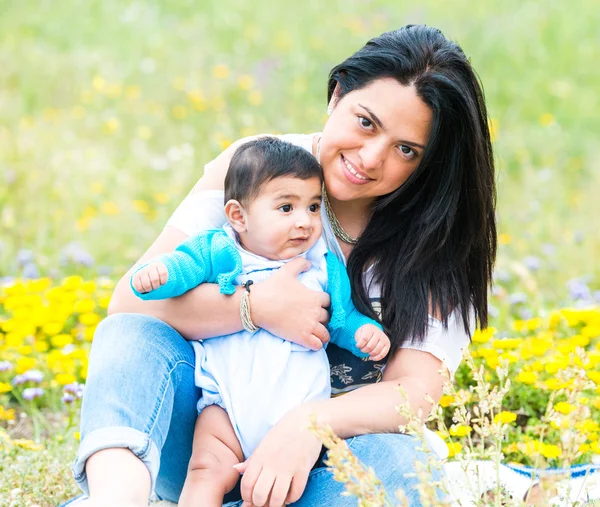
(433, 240)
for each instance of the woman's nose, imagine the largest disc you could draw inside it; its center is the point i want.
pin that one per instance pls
(373, 153)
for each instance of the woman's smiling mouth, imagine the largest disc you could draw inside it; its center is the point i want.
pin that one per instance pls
(352, 174)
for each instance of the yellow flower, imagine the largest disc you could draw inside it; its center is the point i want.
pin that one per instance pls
(77, 436)
(24, 364)
(7, 414)
(255, 98)
(30, 445)
(526, 377)
(594, 376)
(550, 451)
(505, 417)
(69, 283)
(245, 82)
(454, 448)
(65, 378)
(460, 430)
(41, 346)
(52, 328)
(504, 239)
(446, 401)
(547, 119)
(507, 343)
(89, 319)
(5, 387)
(179, 112)
(109, 208)
(111, 125)
(220, 71)
(60, 340)
(483, 336)
(493, 127)
(84, 306)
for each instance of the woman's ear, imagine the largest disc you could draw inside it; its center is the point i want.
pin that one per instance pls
(236, 215)
(335, 97)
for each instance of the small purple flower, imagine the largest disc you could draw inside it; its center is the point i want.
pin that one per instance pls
(75, 389)
(25, 257)
(517, 298)
(549, 249)
(33, 376)
(579, 290)
(32, 392)
(526, 313)
(532, 263)
(31, 271)
(502, 276)
(5, 365)
(7, 280)
(18, 380)
(67, 398)
(75, 253)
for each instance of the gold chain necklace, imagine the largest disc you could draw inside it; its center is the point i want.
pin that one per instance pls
(338, 230)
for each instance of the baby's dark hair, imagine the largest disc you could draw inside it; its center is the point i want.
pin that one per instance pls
(262, 160)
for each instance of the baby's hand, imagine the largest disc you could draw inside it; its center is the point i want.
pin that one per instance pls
(150, 277)
(373, 341)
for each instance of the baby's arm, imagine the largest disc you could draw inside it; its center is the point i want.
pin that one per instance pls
(349, 328)
(173, 274)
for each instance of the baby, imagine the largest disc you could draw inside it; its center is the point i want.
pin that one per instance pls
(250, 379)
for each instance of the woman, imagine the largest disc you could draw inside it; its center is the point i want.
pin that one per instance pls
(409, 181)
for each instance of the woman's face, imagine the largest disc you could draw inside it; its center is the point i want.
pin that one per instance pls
(373, 140)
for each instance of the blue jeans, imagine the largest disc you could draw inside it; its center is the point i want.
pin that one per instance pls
(140, 394)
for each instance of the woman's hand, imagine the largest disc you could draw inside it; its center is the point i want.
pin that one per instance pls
(285, 307)
(277, 472)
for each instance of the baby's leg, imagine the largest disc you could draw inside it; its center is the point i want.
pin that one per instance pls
(215, 450)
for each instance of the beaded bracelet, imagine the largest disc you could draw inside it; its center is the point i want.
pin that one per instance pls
(245, 309)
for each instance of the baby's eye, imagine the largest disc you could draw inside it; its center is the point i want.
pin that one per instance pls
(314, 207)
(286, 208)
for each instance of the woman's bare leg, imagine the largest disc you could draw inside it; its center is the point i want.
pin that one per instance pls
(216, 449)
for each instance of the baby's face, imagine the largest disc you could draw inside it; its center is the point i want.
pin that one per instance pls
(285, 219)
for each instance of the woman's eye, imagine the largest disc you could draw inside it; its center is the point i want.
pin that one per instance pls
(407, 151)
(286, 208)
(365, 122)
(314, 208)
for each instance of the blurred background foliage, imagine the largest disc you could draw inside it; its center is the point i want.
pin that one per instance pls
(109, 110)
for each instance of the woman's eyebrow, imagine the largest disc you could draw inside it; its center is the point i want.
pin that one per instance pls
(377, 121)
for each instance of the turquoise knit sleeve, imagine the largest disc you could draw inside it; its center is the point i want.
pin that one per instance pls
(345, 318)
(209, 257)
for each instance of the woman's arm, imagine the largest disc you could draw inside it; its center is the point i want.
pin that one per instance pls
(372, 408)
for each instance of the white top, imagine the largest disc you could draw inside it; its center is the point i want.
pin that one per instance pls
(203, 210)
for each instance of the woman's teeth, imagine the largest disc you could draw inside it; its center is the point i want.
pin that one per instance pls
(353, 171)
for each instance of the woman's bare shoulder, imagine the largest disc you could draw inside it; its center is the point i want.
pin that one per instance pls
(215, 171)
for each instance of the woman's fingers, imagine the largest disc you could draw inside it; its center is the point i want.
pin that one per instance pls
(296, 266)
(262, 488)
(248, 482)
(320, 331)
(297, 488)
(280, 491)
(323, 316)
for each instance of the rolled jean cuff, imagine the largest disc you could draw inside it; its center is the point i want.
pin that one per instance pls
(122, 437)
